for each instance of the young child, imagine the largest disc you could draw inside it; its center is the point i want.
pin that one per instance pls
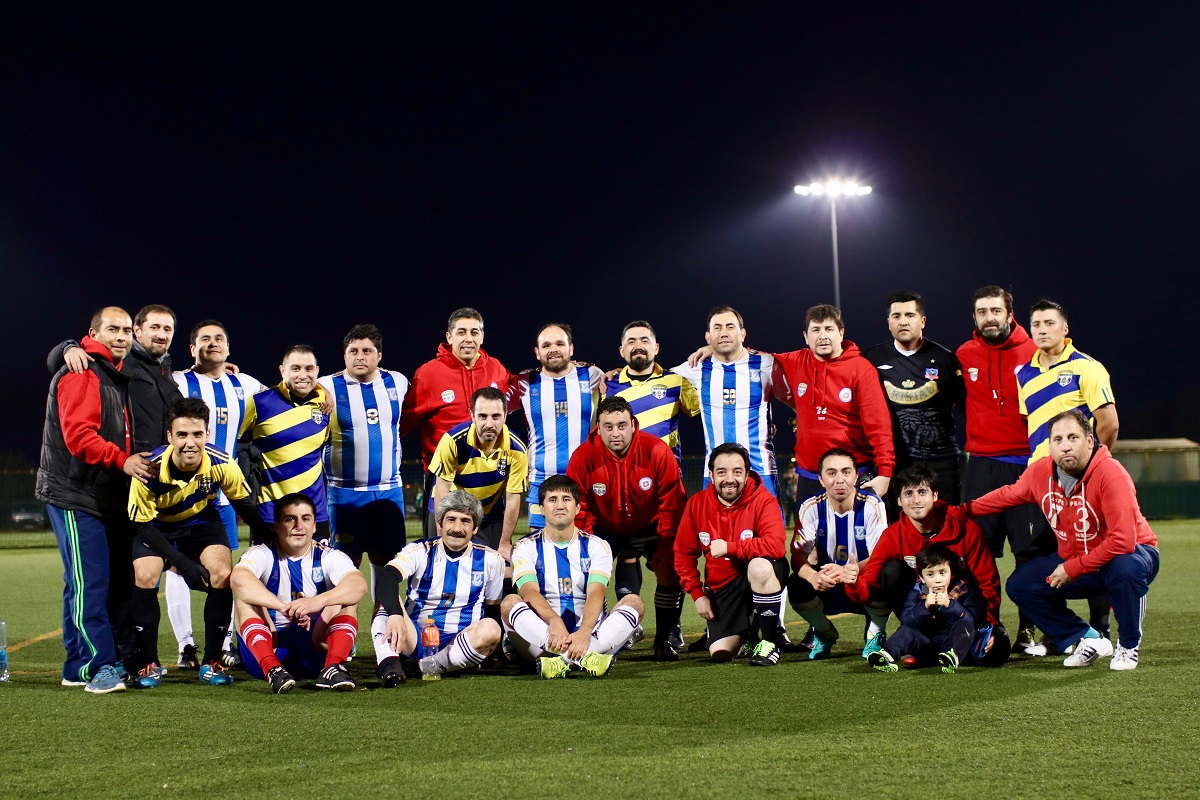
(938, 621)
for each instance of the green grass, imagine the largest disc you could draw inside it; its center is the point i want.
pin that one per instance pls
(830, 729)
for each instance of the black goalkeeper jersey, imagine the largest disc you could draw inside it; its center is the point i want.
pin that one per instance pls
(921, 389)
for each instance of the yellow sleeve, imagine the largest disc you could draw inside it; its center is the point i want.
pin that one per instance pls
(689, 397)
(233, 482)
(1096, 386)
(518, 472)
(444, 463)
(142, 507)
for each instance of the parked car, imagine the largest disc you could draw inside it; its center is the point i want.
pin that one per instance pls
(30, 517)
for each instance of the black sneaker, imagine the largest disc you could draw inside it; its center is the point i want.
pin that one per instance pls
(391, 672)
(231, 658)
(337, 678)
(765, 654)
(281, 680)
(664, 652)
(676, 638)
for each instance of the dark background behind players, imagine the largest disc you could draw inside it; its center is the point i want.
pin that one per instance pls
(397, 156)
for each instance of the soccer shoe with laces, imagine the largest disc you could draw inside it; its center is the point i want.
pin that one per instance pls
(215, 674)
(149, 677)
(948, 661)
(596, 664)
(551, 667)
(337, 678)
(874, 644)
(1088, 650)
(882, 660)
(106, 681)
(281, 680)
(765, 654)
(823, 644)
(635, 637)
(1124, 658)
(188, 657)
(391, 672)
(231, 658)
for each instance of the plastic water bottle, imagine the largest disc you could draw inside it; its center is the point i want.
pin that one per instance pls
(431, 638)
(3, 651)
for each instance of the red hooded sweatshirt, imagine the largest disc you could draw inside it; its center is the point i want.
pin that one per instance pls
(440, 395)
(79, 414)
(751, 528)
(839, 403)
(625, 495)
(957, 532)
(1096, 522)
(995, 426)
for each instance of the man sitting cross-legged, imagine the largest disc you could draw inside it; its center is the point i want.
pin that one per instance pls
(562, 575)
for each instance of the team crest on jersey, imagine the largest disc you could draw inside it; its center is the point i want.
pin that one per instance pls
(502, 467)
(205, 485)
(318, 575)
(240, 392)
(393, 394)
(318, 416)
(658, 391)
(494, 386)
(755, 376)
(747, 534)
(845, 394)
(585, 564)
(1065, 378)
(801, 388)
(973, 372)
(477, 579)
(448, 396)
(645, 483)
(860, 533)
(599, 489)
(911, 561)
(931, 374)
(704, 537)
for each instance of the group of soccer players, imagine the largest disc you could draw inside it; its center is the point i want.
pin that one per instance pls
(312, 465)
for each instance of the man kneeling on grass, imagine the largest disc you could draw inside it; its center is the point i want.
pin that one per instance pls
(562, 575)
(296, 604)
(452, 581)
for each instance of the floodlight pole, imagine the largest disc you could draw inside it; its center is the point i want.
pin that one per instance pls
(832, 189)
(837, 280)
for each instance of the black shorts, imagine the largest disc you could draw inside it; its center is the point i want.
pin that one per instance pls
(1025, 527)
(188, 539)
(733, 604)
(641, 543)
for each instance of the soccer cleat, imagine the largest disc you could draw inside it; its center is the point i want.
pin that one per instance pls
(765, 654)
(663, 651)
(874, 644)
(337, 678)
(281, 680)
(1088, 650)
(231, 658)
(215, 674)
(551, 667)
(635, 637)
(823, 644)
(882, 660)
(807, 642)
(391, 672)
(1125, 658)
(188, 657)
(596, 664)
(949, 661)
(149, 677)
(676, 638)
(107, 680)
(1026, 638)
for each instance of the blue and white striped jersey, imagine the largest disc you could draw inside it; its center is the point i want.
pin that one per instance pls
(563, 571)
(226, 401)
(560, 413)
(451, 589)
(840, 538)
(363, 451)
(290, 579)
(735, 405)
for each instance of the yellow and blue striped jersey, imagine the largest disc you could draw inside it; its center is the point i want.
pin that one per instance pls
(290, 436)
(658, 400)
(169, 499)
(1075, 381)
(459, 460)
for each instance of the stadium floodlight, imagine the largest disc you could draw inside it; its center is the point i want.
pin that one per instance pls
(834, 188)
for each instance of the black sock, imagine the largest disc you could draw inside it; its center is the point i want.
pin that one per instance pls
(629, 578)
(145, 615)
(668, 604)
(218, 605)
(767, 606)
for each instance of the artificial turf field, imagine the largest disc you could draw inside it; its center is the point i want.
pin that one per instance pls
(831, 729)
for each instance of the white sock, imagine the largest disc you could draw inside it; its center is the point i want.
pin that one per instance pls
(228, 643)
(614, 631)
(179, 608)
(529, 626)
(814, 613)
(383, 650)
(459, 655)
(371, 582)
(878, 616)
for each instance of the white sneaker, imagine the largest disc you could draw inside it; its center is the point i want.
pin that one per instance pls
(1038, 649)
(1124, 659)
(1087, 651)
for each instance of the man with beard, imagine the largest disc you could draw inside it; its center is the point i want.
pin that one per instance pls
(997, 438)
(659, 399)
(484, 458)
(559, 400)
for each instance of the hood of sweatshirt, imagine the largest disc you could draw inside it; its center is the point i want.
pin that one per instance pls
(447, 357)
(1016, 337)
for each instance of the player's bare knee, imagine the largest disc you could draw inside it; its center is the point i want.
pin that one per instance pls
(508, 603)
(720, 655)
(219, 578)
(146, 572)
(762, 575)
(485, 635)
(634, 602)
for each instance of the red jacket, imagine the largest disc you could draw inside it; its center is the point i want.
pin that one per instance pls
(995, 426)
(625, 495)
(751, 528)
(839, 403)
(79, 414)
(440, 395)
(1096, 522)
(957, 532)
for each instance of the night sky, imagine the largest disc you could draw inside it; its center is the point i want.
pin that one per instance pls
(293, 175)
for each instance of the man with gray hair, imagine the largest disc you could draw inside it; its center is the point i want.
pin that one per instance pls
(454, 584)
